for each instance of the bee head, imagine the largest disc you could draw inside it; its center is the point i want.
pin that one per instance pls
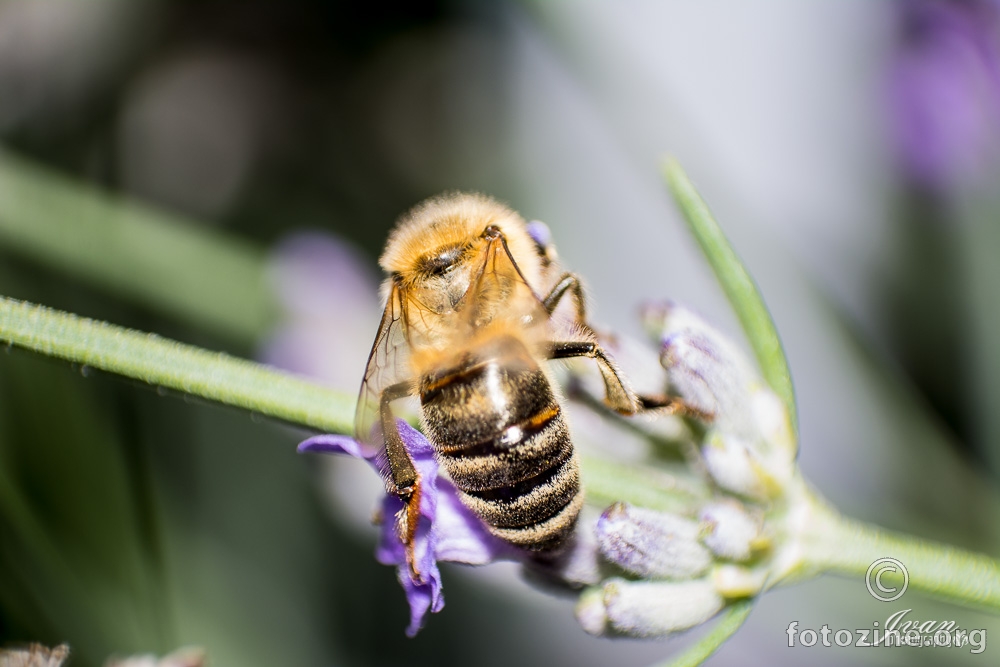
(437, 248)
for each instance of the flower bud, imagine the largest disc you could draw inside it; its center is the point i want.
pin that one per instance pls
(651, 544)
(705, 369)
(729, 531)
(580, 562)
(590, 611)
(736, 467)
(773, 424)
(735, 581)
(647, 609)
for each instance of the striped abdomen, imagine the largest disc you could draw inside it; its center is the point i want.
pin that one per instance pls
(499, 432)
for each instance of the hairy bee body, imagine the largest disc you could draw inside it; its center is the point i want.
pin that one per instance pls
(499, 432)
(469, 324)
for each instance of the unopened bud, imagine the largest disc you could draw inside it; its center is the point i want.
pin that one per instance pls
(736, 467)
(771, 417)
(648, 609)
(734, 581)
(590, 611)
(705, 369)
(730, 531)
(650, 543)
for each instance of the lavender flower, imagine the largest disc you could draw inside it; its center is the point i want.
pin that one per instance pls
(447, 530)
(676, 570)
(944, 90)
(650, 572)
(652, 544)
(648, 609)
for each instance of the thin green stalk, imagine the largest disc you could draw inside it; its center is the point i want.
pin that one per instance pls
(736, 282)
(833, 543)
(731, 620)
(166, 363)
(609, 482)
(185, 270)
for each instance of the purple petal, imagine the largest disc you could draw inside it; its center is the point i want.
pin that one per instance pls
(423, 587)
(423, 592)
(446, 529)
(461, 535)
(334, 444)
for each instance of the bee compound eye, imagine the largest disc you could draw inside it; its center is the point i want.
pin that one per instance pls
(440, 261)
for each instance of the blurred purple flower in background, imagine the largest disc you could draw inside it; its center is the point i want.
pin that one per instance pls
(944, 90)
(328, 294)
(447, 529)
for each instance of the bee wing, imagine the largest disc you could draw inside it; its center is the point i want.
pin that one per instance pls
(388, 363)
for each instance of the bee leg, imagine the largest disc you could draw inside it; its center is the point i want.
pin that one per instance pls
(569, 282)
(403, 476)
(671, 405)
(618, 395)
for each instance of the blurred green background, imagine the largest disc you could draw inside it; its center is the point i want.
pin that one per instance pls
(156, 155)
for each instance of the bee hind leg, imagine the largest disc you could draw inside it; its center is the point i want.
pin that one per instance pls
(403, 478)
(671, 405)
(618, 395)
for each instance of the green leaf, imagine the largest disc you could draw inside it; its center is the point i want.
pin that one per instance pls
(732, 618)
(736, 282)
(166, 363)
(74, 547)
(175, 266)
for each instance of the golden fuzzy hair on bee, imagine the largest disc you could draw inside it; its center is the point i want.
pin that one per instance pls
(456, 219)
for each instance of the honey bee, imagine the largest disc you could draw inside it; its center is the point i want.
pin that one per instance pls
(468, 328)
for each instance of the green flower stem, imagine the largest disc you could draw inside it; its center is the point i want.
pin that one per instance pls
(830, 542)
(729, 622)
(736, 282)
(186, 270)
(609, 482)
(172, 365)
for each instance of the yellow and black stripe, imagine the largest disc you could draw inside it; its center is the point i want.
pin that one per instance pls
(500, 434)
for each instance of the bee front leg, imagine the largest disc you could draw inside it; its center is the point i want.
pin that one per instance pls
(403, 476)
(568, 283)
